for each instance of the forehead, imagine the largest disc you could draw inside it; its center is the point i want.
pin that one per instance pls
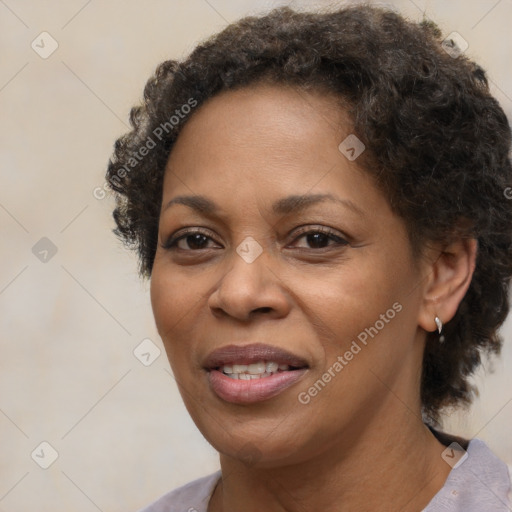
(259, 130)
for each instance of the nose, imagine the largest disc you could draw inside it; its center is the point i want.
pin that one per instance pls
(248, 288)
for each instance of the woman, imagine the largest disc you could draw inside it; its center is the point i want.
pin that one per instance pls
(320, 202)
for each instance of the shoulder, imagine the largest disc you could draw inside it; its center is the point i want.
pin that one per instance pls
(191, 497)
(479, 481)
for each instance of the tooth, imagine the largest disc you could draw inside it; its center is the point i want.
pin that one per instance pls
(256, 368)
(253, 371)
(271, 367)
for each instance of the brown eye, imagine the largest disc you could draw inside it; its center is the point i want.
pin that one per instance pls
(320, 237)
(195, 240)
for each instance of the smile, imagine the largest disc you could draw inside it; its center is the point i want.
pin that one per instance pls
(257, 370)
(245, 374)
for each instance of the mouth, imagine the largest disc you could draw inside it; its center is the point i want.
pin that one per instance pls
(252, 373)
(260, 370)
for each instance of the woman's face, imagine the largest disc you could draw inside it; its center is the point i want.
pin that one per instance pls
(333, 282)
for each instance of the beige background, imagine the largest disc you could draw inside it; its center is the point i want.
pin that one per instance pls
(68, 326)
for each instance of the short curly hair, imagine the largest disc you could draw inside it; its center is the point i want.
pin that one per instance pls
(437, 144)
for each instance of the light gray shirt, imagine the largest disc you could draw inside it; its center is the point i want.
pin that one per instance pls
(481, 483)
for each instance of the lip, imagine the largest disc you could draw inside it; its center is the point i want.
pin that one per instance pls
(257, 390)
(247, 354)
(251, 391)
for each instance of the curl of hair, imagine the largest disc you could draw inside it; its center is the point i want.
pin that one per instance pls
(437, 144)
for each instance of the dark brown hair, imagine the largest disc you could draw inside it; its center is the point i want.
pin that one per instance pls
(437, 144)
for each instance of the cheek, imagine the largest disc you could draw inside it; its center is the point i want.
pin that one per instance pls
(174, 300)
(352, 297)
(365, 314)
(163, 299)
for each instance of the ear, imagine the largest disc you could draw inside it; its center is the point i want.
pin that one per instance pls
(449, 276)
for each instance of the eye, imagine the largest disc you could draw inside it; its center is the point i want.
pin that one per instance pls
(198, 239)
(320, 237)
(194, 238)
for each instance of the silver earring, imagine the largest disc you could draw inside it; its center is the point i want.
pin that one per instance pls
(439, 328)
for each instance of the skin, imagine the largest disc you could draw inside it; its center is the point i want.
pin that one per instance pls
(359, 444)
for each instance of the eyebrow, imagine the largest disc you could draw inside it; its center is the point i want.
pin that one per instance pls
(284, 206)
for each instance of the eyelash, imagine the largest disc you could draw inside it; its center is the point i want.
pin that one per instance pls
(173, 240)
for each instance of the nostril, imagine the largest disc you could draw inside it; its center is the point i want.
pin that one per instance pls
(262, 310)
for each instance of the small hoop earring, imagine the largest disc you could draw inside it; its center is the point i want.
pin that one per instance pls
(439, 328)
